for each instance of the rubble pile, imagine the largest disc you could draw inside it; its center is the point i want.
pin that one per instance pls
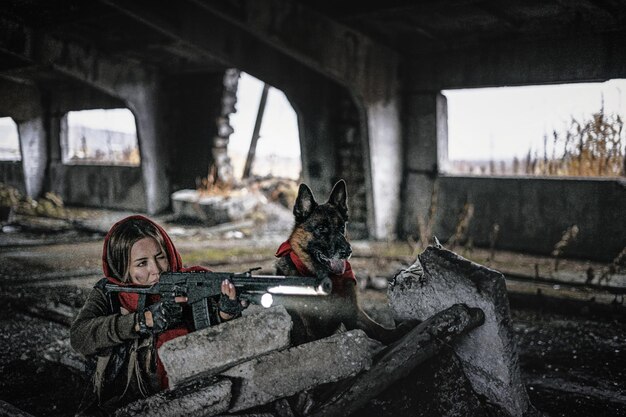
(249, 366)
(488, 356)
(258, 200)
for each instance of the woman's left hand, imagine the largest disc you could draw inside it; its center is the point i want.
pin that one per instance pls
(228, 301)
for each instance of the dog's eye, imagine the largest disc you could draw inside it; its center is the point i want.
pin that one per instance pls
(322, 230)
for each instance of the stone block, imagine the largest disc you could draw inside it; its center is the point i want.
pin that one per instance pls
(284, 373)
(440, 278)
(206, 398)
(211, 350)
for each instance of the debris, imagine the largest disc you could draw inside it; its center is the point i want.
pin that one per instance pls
(209, 351)
(7, 409)
(61, 352)
(284, 373)
(216, 209)
(420, 344)
(206, 398)
(441, 278)
(49, 310)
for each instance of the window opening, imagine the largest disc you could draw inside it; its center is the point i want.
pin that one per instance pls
(100, 137)
(9, 140)
(560, 130)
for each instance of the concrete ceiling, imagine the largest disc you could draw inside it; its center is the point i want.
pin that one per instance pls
(430, 25)
(148, 33)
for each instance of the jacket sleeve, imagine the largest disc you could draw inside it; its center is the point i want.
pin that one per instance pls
(94, 328)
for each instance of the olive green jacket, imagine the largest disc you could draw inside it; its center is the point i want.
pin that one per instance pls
(125, 363)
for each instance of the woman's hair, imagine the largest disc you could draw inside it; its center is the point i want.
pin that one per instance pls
(121, 240)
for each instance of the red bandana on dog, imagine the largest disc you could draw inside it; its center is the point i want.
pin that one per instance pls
(339, 281)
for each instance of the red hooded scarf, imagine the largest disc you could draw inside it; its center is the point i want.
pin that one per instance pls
(130, 300)
(339, 281)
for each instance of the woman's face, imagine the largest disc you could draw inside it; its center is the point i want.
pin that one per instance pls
(147, 261)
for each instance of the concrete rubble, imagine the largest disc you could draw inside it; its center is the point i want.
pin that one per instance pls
(216, 209)
(269, 370)
(464, 312)
(213, 349)
(206, 398)
(274, 376)
(488, 355)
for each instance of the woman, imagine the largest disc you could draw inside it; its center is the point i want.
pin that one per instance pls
(120, 342)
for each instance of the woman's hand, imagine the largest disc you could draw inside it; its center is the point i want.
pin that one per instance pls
(229, 304)
(149, 318)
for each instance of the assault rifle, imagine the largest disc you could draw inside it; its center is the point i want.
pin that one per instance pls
(198, 286)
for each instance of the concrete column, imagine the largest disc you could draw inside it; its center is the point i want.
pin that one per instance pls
(425, 153)
(385, 146)
(145, 104)
(34, 147)
(23, 102)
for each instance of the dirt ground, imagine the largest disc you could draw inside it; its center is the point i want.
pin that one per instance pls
(572, 340)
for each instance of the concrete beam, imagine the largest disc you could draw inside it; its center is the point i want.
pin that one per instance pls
(341, 53)
(208, 398)
(586, 58)
(79, 61)
(209, 351)
(288, 372)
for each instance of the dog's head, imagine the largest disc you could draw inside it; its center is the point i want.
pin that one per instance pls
(320, 229)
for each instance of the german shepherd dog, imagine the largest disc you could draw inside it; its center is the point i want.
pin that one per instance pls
(318, 247)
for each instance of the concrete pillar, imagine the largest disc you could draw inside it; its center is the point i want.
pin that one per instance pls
(34, 147)
(385, 150)
(425, 154)
(23, 103)
(146, 104)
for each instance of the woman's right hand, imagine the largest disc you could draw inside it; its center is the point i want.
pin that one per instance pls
(161, 316)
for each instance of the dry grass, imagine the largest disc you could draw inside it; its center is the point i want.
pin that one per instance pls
(569, 236)
(591, 148)
(51, 205)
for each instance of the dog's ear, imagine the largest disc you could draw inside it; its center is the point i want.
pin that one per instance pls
(305, 203)
(339, 198)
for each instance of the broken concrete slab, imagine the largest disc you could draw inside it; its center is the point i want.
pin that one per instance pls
(440, 278)
(216, 209)
(284, 373)
(7, 409)
(209, 351)
(61, 351)
(206, 398)
(417, 346)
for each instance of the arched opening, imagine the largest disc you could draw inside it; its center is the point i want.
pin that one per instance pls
(100, 137)
(278, 148)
